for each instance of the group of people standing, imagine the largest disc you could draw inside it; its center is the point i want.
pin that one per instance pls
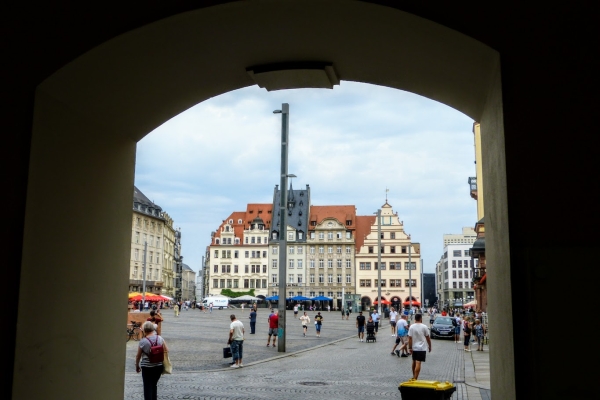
(472, 330)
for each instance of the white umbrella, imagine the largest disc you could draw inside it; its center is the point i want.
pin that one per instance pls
(247, 297)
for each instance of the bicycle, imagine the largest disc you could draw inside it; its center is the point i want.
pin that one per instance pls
(134, 331)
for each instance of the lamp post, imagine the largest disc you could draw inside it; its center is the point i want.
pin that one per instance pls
(409, 278)
(379, 261)
(144, 277)
(285, 123)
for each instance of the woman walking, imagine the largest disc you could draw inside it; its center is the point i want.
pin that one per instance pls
(151, 371)
(318, 323)
(304, 319)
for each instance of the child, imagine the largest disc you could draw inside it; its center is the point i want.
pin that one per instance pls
(479, 335)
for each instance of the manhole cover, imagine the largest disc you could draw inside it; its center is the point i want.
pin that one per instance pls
(313, 383)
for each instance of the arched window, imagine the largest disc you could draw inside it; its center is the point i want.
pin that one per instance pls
(217, 241)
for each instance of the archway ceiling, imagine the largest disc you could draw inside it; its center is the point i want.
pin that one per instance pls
(139, 80)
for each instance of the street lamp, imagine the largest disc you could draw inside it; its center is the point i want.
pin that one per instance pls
(285, 112)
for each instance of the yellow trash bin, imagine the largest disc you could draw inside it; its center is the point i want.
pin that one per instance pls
(426, 390)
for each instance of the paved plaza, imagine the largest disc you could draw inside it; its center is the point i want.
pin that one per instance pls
(334, 366)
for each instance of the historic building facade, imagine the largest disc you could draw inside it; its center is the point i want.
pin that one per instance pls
(147, 234)
(400, 260)
(330, 258)
(237, 258)
(168, 271)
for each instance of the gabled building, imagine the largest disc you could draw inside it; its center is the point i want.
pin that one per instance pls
(331, 243)
(237, 258)
(297, 212)
(400, 260)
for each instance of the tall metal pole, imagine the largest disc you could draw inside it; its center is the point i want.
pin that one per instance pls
(379, 261)
(409, 278)
(285, 111)
(144, 276)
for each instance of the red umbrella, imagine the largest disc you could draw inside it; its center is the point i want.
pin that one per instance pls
(383, 301)
(414, 303)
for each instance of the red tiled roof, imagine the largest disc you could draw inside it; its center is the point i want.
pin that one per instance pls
(252, 211)
(363, 228)
(340, 213)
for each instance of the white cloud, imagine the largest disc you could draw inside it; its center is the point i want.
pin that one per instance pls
(349, 144)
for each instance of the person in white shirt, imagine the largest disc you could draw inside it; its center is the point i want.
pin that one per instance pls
(304, 319)
(419, 343)
(236, 341)
(393, 316)
(296, 311)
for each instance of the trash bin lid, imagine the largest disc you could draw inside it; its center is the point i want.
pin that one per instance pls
(433, 385)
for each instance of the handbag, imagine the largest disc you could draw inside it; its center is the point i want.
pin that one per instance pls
(227, 352)
(167, 366)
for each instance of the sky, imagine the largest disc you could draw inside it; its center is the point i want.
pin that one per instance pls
(350, 144)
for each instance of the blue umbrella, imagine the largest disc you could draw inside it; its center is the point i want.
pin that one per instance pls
(321, 298)
(299, 298)
(272, 298)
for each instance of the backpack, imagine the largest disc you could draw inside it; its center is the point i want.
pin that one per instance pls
(454, 322)
(157, 352)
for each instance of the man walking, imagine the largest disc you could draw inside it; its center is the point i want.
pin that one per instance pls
(252, 321)
(419, 343)
(273, 326)
(393, 316)
(375, 317)
(236, 341)
(360, 324)
(401, 337)
(318, 323)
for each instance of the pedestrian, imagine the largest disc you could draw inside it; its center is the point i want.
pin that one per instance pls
(393, 316)
(328, 308)
(347, 313)
(252, 321)
(457, 325)
(401, 338)
(318, 323)
(305, 320)
(210, 307)
(375, 317)
(343, 312)
(467, 328)
(419, 343)
(156, 319)
(273, 326)
(151, 371)
(176, 309)
(236, 341)
(360, 325)
(479, 334)
(431, 316)
(444, 313)
(243, 307)
(295, 310)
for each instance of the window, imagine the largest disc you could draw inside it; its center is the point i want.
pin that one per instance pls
(229, 283)
(329, 249)
(291, 278)
(253, 239)
(459, 263)
(264, 254)
(348, 278)
(330, 278)
(215, 283)
(403, 249)
(299, 263)
(274, 250)
(258, 239)
(371, 249)
(348, 235)
(235, 269)
(264, 283)
(135, 271)
(339, 278)
(411, 265)
(321, 250)
(321, 264)
(236, 254)
(312, 250)
(348, 264)
(299, 250)
(330, 235)
(321, 278)
(338, 235)
(216, 253)
(456, 253)
(136, 254)
(382, 249)
(339, 263)
(382, 235)
(290, 235)
(321, 235)
(311, 263)
(216, 268)
(312, 279)
(158, 242)
(329, 263)
(382, 265)
(453, 285)
(348, 250)
(382, 283)
(290, 263)
(460, 285)
(453, 263)
(137, 237)
(246, 283)
(410, 283)
(392, 235)
(393, 249)
(393, 265)
(246, 269)
(312, 235)
(338, 250)
(273, 263)
(256, 269)
(299, 278)
(291, 250)
(467, 253)
(395, 282)
(312, 294)
(365, 283)
(300, 235)
(222, 283)
(274, 278)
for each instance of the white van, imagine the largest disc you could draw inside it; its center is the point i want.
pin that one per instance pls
(217, 302)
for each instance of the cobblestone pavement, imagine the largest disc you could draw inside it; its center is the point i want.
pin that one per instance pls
(334, 366)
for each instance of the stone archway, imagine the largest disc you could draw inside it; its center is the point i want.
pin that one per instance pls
(90, 114)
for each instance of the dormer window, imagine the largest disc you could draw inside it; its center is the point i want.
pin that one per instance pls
(300, 212)
(239, 221)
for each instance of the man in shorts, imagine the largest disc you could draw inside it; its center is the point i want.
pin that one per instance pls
(296, 311)
(393, 316)
(360, 325)
(419, 343)
(273, 326)
(401, 337)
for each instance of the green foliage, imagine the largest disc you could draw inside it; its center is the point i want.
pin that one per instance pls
(233, 295)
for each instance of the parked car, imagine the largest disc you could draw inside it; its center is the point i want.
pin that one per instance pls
(442, 328)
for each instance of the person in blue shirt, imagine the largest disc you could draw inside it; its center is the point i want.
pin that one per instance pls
(375, 317)
(252, 320)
